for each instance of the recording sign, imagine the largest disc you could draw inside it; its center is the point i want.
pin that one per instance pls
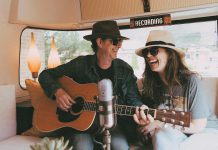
(150, 21)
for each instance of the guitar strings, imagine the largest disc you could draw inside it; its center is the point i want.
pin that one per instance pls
(130, 110)
(92, 106)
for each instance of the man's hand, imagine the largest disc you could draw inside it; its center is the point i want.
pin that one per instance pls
(63, 100)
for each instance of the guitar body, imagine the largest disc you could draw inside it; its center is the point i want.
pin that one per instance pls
(48, 117)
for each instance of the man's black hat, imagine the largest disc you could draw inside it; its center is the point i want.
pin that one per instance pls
(108, 29)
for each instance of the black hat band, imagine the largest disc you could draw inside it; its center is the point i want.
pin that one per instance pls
(159, 43)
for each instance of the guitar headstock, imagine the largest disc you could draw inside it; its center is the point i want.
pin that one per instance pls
(174, 117)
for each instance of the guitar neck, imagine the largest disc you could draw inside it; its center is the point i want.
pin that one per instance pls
(119, 109)
(169, 116)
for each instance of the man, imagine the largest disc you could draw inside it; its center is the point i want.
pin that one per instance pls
(106, 41)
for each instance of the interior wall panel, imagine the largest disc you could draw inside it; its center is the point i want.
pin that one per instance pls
(45, 13)
(93, 10)
(9, 50)
(71, 14)
(103, 9)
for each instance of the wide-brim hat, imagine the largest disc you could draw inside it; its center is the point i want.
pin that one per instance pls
(108, 29)
(161, 38)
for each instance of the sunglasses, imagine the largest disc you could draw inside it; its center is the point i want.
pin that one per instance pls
(115, 42)
(152, 50)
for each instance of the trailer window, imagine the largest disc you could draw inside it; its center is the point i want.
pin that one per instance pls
(198, 40)
(69, 44)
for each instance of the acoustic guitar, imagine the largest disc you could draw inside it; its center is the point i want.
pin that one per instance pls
(48, 117)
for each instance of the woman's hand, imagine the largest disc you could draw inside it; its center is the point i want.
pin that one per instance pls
(140, 117)
(151, 127)
(64, 101)
(146, 123)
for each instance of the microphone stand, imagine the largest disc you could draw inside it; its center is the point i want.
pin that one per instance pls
(106, 133)
(106, 140)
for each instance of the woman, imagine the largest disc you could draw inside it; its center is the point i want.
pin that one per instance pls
(168, 84)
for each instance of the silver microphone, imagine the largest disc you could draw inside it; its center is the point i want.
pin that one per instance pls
(105, 108)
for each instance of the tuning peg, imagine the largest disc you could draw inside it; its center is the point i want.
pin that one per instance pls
(182, 113)
(163, 119)
(172, 121)
(181, 123)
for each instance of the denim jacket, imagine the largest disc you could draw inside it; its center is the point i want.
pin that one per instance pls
(83, 70)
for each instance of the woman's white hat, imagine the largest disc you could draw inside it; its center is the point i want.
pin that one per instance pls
(160, 38)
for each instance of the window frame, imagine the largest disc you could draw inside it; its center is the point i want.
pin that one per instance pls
(174, 22)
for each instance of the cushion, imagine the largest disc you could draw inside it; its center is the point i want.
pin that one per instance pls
(36, 94)
(206, 140)
(211, 90)
(18, 142)
(7, 111)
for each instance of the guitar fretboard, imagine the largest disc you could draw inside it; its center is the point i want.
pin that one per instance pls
(119, 109)
(130, 110)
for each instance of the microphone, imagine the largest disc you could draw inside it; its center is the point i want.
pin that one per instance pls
(105, 108)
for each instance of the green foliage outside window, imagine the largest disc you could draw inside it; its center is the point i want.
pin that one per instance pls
(69, 45)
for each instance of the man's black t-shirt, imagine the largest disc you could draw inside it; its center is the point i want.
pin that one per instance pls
(105, 73)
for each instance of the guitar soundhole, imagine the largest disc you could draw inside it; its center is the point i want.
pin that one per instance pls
(77, 108)
(73, 113)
